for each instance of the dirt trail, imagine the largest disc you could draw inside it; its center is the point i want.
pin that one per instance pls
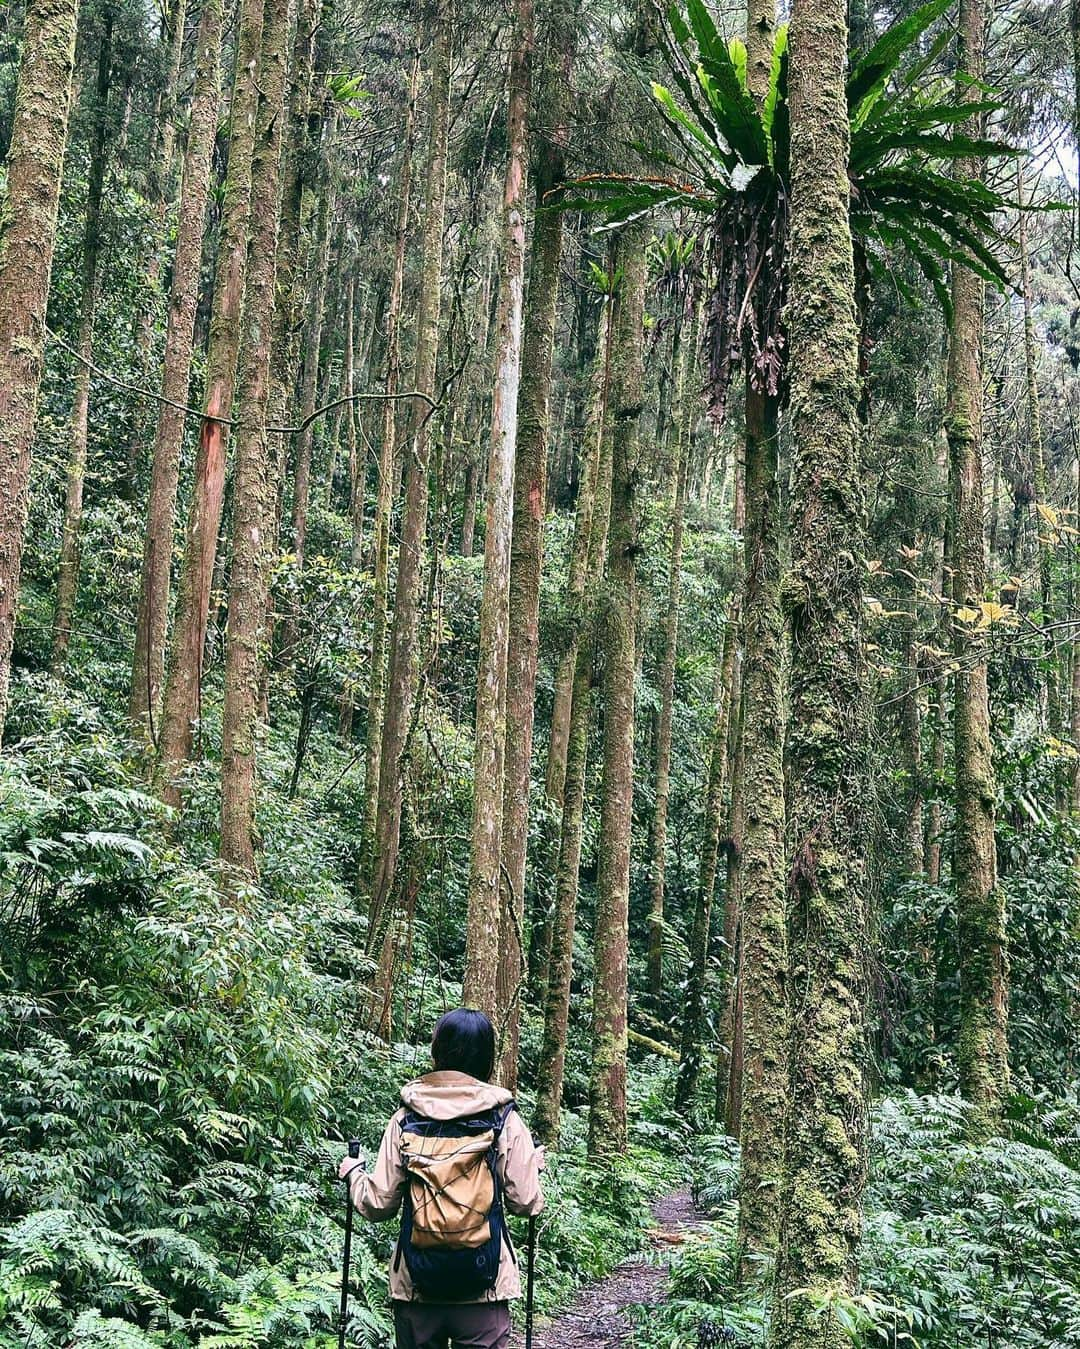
(594, 1320)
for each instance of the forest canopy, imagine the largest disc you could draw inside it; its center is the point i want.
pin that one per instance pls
(564, 509)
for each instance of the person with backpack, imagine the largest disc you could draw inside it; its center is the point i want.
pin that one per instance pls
(454, 1159)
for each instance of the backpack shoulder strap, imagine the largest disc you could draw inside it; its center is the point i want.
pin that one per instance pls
(501, 1114)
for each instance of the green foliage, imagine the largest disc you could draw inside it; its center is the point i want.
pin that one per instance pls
(965, 1244)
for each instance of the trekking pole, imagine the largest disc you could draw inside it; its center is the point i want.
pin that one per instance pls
(530, 1269)
(343, 1311)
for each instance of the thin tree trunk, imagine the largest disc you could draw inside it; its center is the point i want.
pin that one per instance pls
(403, 669)
(67, 581)
(183, 684)
(684, 417)
(686, 1086)
(607, 1083)
(579, 557)
(255, 491)
(828, 732)
(384, 495)
(148, 661)
(982, 1048)
(35, 163)
(552, 1067)
(728, 1072)
(762, 879)
(159, 194)
(318, 270)
(1040, 498)
(527, 551)
(489, 764)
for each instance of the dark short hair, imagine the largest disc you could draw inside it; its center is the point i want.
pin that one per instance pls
(464, 1042)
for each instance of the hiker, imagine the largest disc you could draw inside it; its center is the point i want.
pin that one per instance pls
(456, 1155)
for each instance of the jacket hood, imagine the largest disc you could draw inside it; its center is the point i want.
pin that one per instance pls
(450, 1095)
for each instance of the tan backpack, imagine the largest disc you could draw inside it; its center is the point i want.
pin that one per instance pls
(452, 1224)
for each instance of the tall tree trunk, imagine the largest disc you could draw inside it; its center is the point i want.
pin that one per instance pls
(1040, 502)
(684, 417)
(686, 1086)
(67, 581)
(579, 559)
(403, 669)
(255, 491)
(530, 497)
(384, 499)
(489, 763)
(729, 1054)
(982, 1049)
(318, 270)
(607, 1084)
(183, 684)
(827, 743)
(592, 527)
(35, 162)
(762, 880)
(148, 661)
(159, 194)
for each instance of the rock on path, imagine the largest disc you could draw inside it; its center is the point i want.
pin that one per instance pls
(595, 1320)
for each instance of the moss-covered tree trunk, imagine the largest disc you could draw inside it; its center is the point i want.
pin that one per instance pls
(67, 579)
(28, 213)
(827, 741)
(183, 683)
(982, 1048)
(693, 1026)
(403, 666)
(254, 486)
(530, 496)
(618, 627)
(159, 193)
(384, 491)
(579, 558)
(684, 416)
(318, 310)
(1041, 524)
(762, 880)
(486, 903)
(591, 527)
(148, 660)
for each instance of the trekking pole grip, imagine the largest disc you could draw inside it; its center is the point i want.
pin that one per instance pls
(354, 1148)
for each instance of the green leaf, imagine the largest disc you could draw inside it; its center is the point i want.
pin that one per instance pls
(867, 80)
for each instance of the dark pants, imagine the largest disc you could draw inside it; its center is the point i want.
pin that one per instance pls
(460, 1325)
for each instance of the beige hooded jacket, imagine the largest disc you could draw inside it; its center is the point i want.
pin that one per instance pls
(378, 1193)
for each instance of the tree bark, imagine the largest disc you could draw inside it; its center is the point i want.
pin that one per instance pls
(67, 581)
(579, 563)
(489, 763)
(683, 418)
(530, 497)
(183, 685)
(1040, 499)
(148, 661)
(159, 194)
(384, 499)
(318, 269)
(607, 1086)
(254, 488)
(982, 1049)
(686, 1086)
(560, 962)
(403, 668)
(827, 745)
(35, 162)
(763, 953)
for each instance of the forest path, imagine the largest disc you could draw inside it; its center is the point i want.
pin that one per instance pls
(594, 1319)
